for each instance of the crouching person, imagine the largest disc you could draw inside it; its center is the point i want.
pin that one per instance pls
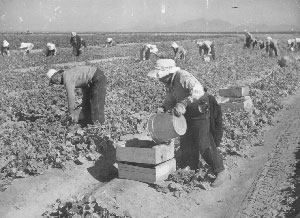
(5, 48)
(50, 49)
(179, 51)
(93, 83)
(186, 97)
(207, 48)
(146, 51)
(110, 42)
(271, 46)
(27, 47)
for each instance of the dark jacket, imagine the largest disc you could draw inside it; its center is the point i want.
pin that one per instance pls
(216, 120)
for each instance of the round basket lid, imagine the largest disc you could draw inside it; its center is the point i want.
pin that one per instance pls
(179, 124)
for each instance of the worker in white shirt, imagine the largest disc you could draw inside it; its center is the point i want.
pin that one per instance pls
(110, 42)
(51, 49)
(179, 51)
(272, 45)
(207, 48)
(27, 47)
(146, 51)
(5, 48)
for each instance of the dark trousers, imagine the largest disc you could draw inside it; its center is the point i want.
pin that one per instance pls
(197, 141)
(271, 48)
(93, 101)
(76, 51)
(49, 52)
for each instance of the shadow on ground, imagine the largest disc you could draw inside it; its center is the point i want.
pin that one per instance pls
(105, 169)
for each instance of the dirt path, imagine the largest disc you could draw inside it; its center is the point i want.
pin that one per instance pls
(256, 189)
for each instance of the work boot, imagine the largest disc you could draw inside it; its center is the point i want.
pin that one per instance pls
(221, 178)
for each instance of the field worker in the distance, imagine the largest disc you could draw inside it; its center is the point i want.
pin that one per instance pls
(179, 51)
(207, 48)
(27, 47)
(186, 97)
(93, 83)
(110, 42)
(261, 44)
(146, 51)
(272, 45)
(76, 43)
(50, 49)
(294, 44)
(249, 39)
(5, 48)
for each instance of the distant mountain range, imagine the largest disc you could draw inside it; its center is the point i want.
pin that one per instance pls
(203, 25)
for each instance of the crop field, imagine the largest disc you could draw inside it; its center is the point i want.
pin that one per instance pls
(35, 134)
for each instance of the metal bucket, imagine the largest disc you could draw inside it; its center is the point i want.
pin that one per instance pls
(164, 127)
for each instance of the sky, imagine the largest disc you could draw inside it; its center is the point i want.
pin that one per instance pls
(118, 15)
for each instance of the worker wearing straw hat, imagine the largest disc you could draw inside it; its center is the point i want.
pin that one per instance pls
(5, 48)
(50, 49)
(186, 97)
(207, 48)
(76, 42)
(110, 42)
(179, 51)
(27, 47)
(93, 83)
(146, 51)
(271, 45)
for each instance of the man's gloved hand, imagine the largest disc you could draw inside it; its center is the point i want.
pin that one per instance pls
(74, 117)
(179, 109)
(160, 110)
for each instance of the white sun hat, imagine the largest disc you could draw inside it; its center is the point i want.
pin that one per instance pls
(109, 39)
(163, 68)
(269, 38)
(153, 49)
(174, 45)
(50, 73)
(5, 43)
(73, 34)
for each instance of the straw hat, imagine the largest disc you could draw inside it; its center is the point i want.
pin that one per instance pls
(73, 34)
(5, 43)
(174, 45)
(109, 39)
(163, 68)
(269, 38)
(200, 43)
(50, 73)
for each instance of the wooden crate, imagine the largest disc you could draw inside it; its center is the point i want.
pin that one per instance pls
(148, 174)
(234, 91)
(144, 151)
(246, 105)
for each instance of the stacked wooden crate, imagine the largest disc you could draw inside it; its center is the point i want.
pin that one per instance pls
(236, 98)
(142, 160)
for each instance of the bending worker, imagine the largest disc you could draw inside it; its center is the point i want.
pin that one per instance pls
(249, 39)
(110, 42)
(294, 44)
(93, 83)
(207, 48)
(76, 42)
(179, 51)
(5, 48)
(27, 47)
(187, 98)
(146, 51)
(271, 45)
(51, 49)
